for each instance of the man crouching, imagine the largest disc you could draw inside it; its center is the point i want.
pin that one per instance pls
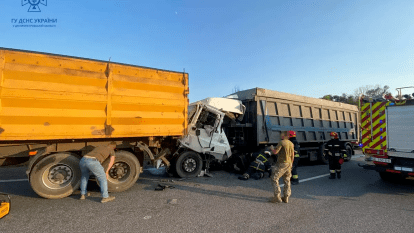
(92, 162)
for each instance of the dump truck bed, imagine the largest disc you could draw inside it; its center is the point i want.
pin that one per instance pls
(271, 112)
(52, 97)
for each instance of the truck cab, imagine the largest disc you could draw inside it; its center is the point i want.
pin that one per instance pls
(206, 140)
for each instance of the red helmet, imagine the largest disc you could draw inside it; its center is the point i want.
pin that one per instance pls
(333, 134)
(292, 134)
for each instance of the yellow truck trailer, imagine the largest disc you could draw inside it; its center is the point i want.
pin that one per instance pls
(55, 108)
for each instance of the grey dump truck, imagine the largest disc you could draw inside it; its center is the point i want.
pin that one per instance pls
(268, 113)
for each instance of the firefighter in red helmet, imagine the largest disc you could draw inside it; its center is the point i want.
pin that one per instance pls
(292, 138)
(336, 150)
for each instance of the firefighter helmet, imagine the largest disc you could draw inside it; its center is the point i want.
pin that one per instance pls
(334, 134)
(292, 134)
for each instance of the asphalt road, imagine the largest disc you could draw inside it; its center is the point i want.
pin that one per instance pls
(359, 202)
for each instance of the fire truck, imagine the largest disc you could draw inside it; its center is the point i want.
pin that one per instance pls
(387, 126)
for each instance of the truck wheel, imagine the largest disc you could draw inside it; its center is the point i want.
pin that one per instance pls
(124, 173)
(348, 153)
(188, 164)
(322, 156)
(56, 176)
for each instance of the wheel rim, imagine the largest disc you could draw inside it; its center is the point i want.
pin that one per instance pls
(348, 152)
(119, 172)
(58, 176)
(189, 165)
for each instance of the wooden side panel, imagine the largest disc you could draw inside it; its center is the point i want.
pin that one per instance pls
(47, 97)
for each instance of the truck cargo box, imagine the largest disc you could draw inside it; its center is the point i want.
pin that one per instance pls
(50, 97)
(271, 112)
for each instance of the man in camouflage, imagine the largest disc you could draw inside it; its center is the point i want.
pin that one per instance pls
(282, 168)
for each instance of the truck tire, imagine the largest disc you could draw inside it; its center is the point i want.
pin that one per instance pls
(56, 176)
(124, 173)
(348, 152)
(188, 164)
(322, 156)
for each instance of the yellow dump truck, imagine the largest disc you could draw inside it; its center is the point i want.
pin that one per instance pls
(54, 109)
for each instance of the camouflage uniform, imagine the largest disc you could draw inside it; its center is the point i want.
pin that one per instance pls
(283, 168)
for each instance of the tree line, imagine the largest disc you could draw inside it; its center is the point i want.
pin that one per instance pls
(370, 91)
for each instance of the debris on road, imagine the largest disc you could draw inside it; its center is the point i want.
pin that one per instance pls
(161, 187)
(172, 201)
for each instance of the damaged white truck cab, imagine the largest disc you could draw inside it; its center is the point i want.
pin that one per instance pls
(205, 140)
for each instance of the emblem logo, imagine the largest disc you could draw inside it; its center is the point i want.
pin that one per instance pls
(34, 4)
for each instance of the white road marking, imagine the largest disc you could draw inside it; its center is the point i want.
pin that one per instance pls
(17, 180)
(304, 180)
(308, 179)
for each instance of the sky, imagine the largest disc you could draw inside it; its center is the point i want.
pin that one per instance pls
(309, 48)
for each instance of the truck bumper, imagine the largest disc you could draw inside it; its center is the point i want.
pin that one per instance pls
(387, 169)
(373, 167)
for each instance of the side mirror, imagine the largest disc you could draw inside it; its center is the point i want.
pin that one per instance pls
(197, 132)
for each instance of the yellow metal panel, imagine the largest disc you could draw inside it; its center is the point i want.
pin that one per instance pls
(46, 103)
(144, 114)
(147, 87)
(2, 64)
(147, 80)
(150, 73)
(33, 85)
(56, 78)
(38, 132)
(49, 120)
(147, 101)
(45, 60)
(47, 97)
(52, 112)
(145, 94)
(52, 95)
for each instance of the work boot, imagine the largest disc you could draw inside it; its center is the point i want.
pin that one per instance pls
(244, 177)
(332, 176)
(83, 197)
(285, 199)
(294, 181)
(107, 199)
(275, 200)
(257, 176)
(338, 174)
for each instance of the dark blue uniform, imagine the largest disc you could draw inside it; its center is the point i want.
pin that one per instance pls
(336, 153)
(295, 177)
(258, 167)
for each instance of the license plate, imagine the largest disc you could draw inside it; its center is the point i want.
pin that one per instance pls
(382, 160)
(405, 169)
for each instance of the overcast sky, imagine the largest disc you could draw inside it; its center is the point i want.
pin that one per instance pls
(310, 48)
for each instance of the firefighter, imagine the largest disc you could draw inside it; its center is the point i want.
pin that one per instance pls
(258, 167)
(336, 151)
(292, 138)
